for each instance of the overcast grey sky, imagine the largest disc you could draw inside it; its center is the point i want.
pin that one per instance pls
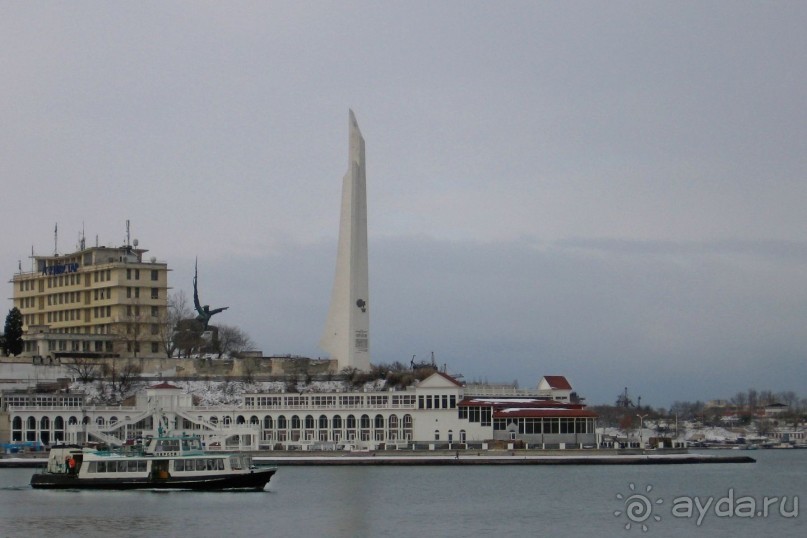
(612, 191)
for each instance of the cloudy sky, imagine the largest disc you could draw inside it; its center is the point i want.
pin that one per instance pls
(612, 191)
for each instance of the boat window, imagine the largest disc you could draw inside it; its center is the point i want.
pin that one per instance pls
(200, 465)
(179, 465)
(235, 463)
(92, 467)
(101, 466)
(122, 466)
(132, 466)
(142, 465)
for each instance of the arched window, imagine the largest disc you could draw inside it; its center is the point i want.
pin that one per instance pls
(323, 422)
(240, 419)
(16, 429)
(113, 421)
(85, 420)
(267, 423)
(295, 422)
(309, 422)
(214, 421)
(72, 421)
(44, 423)
(365, 422)
(407, 427)
(254, 420)
(99, 421)
(379, 422)
(226, 421)
(436, 435)
(392, 427)
(351, 422)
(281, 422)
(31, 423)
(337, 422)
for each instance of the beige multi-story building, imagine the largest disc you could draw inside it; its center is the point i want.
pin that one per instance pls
(97, 302)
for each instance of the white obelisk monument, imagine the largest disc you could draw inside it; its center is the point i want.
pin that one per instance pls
(347, 331)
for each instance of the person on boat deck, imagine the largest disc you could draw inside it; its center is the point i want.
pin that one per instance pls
(71, 465)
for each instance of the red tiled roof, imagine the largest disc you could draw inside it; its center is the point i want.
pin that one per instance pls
(558, 382)
(164, 385)
(543, 413)
(519, 403)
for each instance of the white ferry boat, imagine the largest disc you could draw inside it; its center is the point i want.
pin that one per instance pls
(163, 463)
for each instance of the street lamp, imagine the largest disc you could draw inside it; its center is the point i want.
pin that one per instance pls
(641, 428)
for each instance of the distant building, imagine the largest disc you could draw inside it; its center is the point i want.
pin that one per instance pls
(97, 302)
(775, 409)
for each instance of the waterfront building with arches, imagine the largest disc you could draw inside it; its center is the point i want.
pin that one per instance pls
(439, 412)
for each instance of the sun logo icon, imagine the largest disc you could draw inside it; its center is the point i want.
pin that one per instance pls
(638, 507)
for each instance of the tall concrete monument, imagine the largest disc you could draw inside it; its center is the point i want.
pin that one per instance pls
(347, 330)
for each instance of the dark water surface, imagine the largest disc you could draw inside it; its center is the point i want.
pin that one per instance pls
(439, 501)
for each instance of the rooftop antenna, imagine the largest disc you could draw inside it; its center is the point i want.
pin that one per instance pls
(56, 239)
(83, 240)
(127, 232)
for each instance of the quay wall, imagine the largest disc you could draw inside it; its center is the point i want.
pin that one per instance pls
(20, 370)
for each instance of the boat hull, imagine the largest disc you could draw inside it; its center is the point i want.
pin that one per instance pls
(255, 480)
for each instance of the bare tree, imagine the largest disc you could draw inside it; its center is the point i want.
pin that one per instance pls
(740, 400)
(753, 401)
(766, 397)
(130, 329)
(232, 341)
(128, 374)
(177, 311)
(121, 376)
(83, 368)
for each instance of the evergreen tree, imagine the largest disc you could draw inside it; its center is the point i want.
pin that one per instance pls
(12, 341)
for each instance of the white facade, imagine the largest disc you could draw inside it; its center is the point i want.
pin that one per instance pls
(347, 330)
(435, 414)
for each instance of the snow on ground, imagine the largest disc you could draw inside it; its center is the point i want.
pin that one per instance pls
(714, 434)
(212, 393)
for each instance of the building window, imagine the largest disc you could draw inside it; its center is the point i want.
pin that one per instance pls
(155, 274)
(155, 293)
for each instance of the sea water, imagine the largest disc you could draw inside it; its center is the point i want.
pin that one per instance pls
(716, 500)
